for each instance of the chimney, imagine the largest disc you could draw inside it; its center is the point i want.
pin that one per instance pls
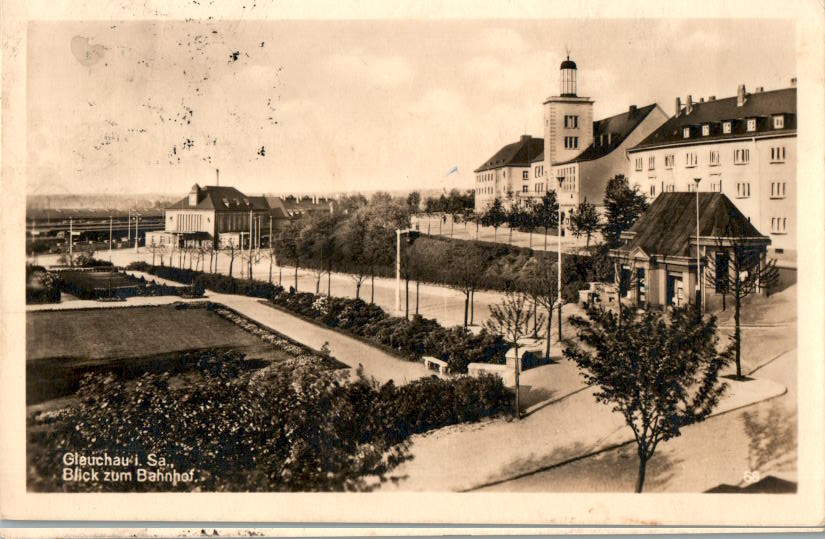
(740, 95)
(632, 111)
(678, 106)
(689, 104)
(609, 138)
(701, 100)
(712, 98)
(217, 176)
(793, 82)
(601, 139)
(759, 89)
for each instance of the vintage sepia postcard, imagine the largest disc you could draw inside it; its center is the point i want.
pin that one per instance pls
(442, 263)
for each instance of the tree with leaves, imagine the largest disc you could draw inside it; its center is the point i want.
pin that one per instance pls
(660, 371)
(289, 245)
(584, 221)
(622, 206)
(494, 216)
(527, 220)
(546, 213)
(737, 270)
(414, 202)
(511, 320)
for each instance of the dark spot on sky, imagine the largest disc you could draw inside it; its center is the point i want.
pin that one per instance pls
(262, 43)
(262, 152)
(234, 56)
(86, 53)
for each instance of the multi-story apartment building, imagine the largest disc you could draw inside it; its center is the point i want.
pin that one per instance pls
(742, 146)
(577, 155)
(508, 174)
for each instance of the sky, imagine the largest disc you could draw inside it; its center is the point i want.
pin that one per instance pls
(324, 106)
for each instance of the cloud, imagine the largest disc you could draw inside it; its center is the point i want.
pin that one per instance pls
(382, 71)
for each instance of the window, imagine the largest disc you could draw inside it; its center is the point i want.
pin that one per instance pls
(777, 154)
(743, 190)
(571, 143)
(778, 122)
(669, 161)
(639, 162)
(686, 132)
(670, 188)
(525, 175)
(751, 124)
(652, 190)
(691, 159)
(779, 225)
(571, 121)
(705, 130)
(651, 163)
(713, 158)
(726, 128)
(778, 189)
(524, 188)
(741, 156)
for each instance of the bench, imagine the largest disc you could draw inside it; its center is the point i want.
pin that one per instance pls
(436, 364)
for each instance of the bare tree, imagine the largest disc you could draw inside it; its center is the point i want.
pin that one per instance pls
(511, 320)
(738, 270)
(465, 271)
(542, 287)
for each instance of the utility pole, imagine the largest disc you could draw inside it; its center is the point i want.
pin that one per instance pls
(250, 244)
(110, 238)
(71, 236)
(137, 233)
(129, 227)
(397, 270)
(558, 298)
(698, 260)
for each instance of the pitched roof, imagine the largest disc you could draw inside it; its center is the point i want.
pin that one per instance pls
(538, 158)
(759, 105)
(517, 154)
(669, 224)
(618, 127)
(221, 198)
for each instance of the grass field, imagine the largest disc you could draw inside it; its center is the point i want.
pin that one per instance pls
(63, 345)
(128, 332)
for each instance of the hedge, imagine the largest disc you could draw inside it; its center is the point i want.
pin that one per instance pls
(290, 426)
(410, 338)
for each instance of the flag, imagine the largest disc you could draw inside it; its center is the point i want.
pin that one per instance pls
(453, 170)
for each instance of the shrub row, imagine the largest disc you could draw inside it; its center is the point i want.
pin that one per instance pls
(290, 426)
(80, 286)
(410, 338)
(41, 286)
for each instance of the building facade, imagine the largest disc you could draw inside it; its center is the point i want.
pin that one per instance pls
(508, 175)
(577, 156)
(216, 216)
(657, 263)
(743, 147)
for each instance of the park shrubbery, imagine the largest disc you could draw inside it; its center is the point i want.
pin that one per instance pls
(41, 286)
(410, 338)
(96, 285)
(291, 426)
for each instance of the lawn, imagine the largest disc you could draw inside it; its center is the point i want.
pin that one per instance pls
(128, 332)
(62, 346)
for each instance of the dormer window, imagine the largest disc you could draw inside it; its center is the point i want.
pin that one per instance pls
(779, 122)
(751, 124)
(705, 130)
(225, 201)
(686, 132)
(245, 201)
(726, 128)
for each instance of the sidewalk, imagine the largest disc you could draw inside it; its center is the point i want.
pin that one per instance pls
(568, 426)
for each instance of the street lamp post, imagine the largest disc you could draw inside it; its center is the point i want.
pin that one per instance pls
(698, 260)
(137, 230)
(558, 230)
(398, 233)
